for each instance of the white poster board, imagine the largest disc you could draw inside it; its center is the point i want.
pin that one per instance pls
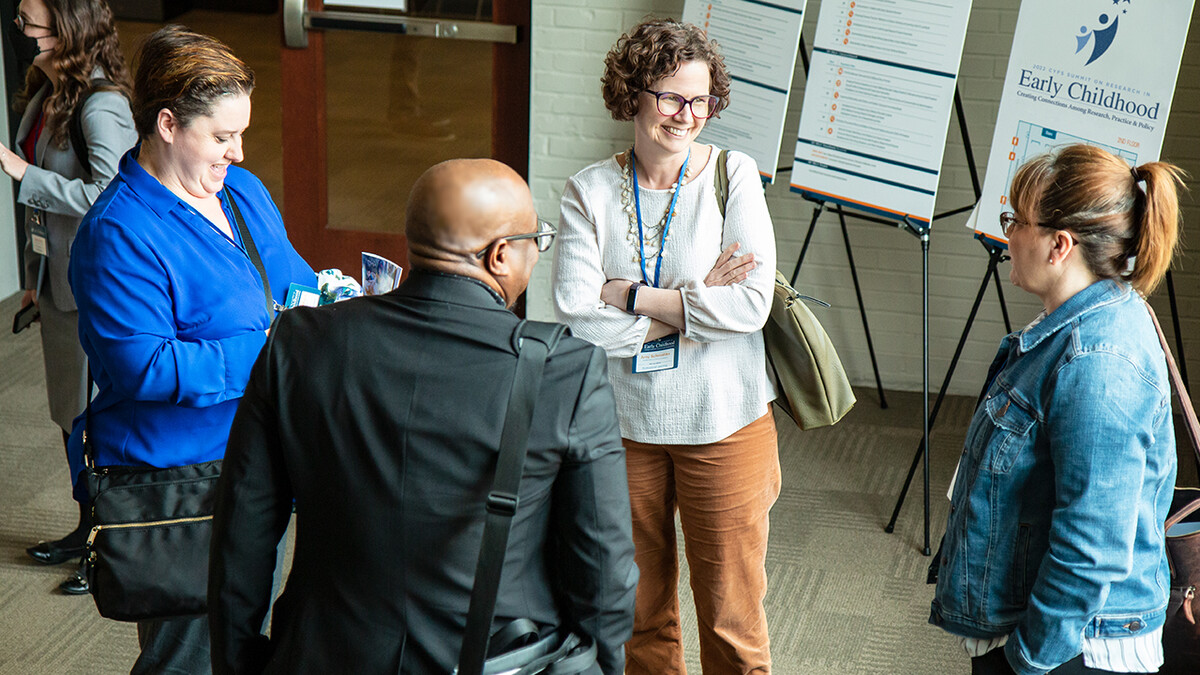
(1083, 71)
(759, 41)
(877, 103)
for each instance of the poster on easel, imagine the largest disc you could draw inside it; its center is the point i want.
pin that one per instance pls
(1083, 71)
(877, 104)
(759, 41)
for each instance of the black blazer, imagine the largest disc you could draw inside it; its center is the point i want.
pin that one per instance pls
(381, 418)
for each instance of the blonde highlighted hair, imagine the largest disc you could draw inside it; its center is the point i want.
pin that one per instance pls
(1126, 220)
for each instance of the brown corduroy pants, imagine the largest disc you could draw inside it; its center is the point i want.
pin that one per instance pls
(723, 491)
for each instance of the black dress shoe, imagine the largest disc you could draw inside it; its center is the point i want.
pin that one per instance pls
(77, 583)
(50, 553)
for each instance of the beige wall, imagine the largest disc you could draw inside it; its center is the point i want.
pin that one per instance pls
(570, 129)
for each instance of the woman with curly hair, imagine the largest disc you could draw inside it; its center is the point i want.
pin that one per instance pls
(676, 286)
(71, 46)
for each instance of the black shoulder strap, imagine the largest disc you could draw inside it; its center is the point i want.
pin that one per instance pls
(75, 127)
(534, 341)
(252, 251)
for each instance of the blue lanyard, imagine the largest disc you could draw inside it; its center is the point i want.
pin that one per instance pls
(637, 202)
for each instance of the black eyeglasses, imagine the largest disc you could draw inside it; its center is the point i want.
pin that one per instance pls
(22, 24)
(544, 235)
(670, 103)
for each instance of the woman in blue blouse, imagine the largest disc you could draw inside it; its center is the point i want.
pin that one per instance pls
(1054, 556)
(172, 313)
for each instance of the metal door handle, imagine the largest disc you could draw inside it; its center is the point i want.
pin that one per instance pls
(298, 20)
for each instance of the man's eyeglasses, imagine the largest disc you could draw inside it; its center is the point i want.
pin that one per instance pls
(22, 24)
(670, 103)
(544, 235)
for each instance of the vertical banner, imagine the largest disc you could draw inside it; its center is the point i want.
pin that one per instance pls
(759, 41)
(1083, 71)
(877, 103)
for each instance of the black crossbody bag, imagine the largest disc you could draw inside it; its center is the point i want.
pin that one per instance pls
(147, 552)
(521, 647)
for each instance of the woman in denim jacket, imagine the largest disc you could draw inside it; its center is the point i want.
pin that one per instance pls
(1054, 548)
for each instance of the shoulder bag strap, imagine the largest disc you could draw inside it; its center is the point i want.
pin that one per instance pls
(75, 126)
(252, 251)
(89, 460)
(534, 341)
(721, 180)
(1189, 413)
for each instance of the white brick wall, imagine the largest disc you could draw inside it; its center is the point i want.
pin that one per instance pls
(571, 128)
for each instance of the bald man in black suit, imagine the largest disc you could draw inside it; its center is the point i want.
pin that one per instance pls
(381, 418)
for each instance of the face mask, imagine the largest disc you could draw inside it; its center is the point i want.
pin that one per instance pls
(25, 48)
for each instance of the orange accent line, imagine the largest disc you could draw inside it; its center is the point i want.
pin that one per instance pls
(855, 201)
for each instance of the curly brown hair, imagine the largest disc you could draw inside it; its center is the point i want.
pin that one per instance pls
(652, 50)
(87, 39)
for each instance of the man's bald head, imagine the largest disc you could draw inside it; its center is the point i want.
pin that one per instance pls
(461, 206)
(458, 207)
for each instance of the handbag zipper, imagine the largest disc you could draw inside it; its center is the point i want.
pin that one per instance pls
(126, 526)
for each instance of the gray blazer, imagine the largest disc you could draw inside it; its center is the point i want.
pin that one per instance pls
(59, 192)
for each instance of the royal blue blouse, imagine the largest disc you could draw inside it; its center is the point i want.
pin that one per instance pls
(172, 316)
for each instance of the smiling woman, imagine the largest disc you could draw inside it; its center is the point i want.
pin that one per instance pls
(176, 269)
(676, 287)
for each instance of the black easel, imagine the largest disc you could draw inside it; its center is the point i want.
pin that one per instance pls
(922, 232)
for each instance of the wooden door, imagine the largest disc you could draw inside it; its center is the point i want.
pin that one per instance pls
(373, 96)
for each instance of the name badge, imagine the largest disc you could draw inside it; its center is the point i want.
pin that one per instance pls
(299, 295)
(37, 237)
(656, 355)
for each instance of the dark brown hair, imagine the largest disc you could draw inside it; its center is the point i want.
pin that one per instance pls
(1126, 220)
(652, 50)
(186, 73)
(87, 39)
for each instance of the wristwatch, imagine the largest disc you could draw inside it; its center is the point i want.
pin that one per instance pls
(631, 297)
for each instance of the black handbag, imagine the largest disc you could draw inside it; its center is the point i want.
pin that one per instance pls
(521, 647)
(147, 553)
(1181, 632)
(148, 550)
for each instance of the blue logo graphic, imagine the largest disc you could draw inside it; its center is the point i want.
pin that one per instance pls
(1101, 38)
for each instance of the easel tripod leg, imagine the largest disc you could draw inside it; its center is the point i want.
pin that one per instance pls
(861, 309)
(1178, 335)
(993, 261)
(925, 373)
(812, 225)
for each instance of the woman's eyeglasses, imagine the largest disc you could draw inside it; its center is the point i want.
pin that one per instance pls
(1009, 223)
(670, 103)
(22, 24)
(544, 235)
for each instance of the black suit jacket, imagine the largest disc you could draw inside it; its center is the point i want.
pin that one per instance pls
(381, 418)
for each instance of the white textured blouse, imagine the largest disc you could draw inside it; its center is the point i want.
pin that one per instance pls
(721, 384)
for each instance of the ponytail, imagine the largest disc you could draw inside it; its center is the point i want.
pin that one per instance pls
(1157, 234)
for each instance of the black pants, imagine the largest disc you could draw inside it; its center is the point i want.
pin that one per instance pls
(173, 647)
(994, 663)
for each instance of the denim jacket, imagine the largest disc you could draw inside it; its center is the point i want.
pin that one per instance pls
(1055, 533)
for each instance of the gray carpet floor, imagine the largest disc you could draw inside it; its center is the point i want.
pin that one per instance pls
(844, 596)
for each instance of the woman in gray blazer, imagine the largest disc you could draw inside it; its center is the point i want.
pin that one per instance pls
(75, 67)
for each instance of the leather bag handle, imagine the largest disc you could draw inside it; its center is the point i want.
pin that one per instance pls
(1189, 413)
